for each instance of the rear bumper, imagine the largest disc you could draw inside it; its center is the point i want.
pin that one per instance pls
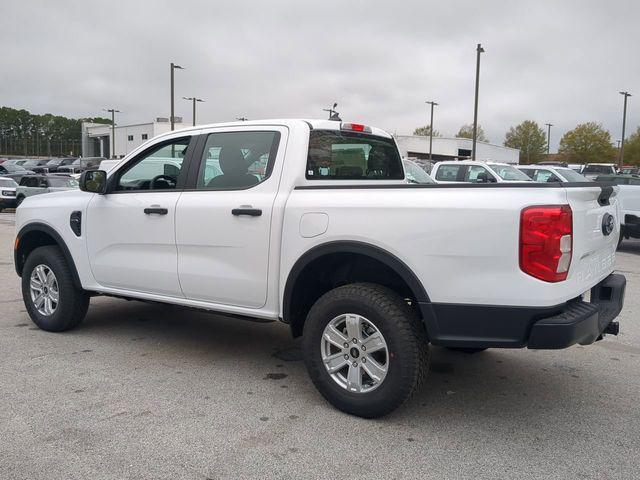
(480, 326)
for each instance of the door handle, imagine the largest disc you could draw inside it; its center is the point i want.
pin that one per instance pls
(156, 210)
(251, 212)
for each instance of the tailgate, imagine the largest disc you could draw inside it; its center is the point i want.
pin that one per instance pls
(596, 227)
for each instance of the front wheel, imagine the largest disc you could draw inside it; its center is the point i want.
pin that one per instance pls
(50, 296)
(365, 349)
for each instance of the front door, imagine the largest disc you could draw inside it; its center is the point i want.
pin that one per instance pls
(131, 230)
(223, 221)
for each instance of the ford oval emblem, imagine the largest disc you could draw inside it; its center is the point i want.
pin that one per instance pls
(608, 224)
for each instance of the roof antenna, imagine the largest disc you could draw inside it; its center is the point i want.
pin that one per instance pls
(333, 115)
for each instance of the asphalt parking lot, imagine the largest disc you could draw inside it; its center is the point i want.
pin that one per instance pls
(145, 391)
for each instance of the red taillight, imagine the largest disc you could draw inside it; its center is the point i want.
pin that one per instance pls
(355, 127)
(546, 241)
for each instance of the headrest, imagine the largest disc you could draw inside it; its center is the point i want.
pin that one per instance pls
(232, 161)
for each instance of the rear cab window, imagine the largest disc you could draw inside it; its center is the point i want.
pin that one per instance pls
(340, 155)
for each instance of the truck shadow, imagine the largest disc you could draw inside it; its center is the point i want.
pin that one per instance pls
(531, 387)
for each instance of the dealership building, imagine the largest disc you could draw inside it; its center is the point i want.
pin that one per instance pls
(96, 137)
(417, 147)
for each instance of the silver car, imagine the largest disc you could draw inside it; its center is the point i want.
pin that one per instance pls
(39, 184)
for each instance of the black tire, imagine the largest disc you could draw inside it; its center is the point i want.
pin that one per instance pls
(466, 349)
(73, 303)
(403, 331)
(19, 200)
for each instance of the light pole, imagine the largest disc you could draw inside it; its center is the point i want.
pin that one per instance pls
(479, 50)
(113, 112)
(194, 100)
(433, 104)
(173, 67)
(549, 125)
(333, 115)
(242, 119)
(624, 124)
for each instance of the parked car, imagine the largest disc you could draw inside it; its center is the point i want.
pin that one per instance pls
(55, 163)
(39, 184)
(543, 173)
(7, 193)
(36, 165)
(332, 240)
(81, 164)
(629, 193)
(593, 170)
(469, 171)
(414, 173)
(107, 165)
(14, 171)
(553, 163)
(630, 170)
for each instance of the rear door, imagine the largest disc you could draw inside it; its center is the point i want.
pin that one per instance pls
(223, 220)
(594, 243)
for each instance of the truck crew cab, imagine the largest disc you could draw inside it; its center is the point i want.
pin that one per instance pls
(313, 223)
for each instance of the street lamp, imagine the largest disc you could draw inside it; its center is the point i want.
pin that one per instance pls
(242, 119)
(113, 112)
(549, 125)
(624, 124)
(479, 50)
(173, 67)
(433, 104)
(194, 100)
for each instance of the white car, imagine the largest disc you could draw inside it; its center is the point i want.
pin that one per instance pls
(8, 188)
(469, 171)
(313, 223)
(547, 173)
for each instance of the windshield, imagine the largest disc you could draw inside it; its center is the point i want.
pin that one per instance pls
(598, 169)
(572, 175)
(7, 183)
(14, 168)
(55, 161)
(507, 172)
(415, 173)
(63, 182)
(339, 155)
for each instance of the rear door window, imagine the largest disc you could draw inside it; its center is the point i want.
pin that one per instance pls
(237, 160)
(337, 155)
(448, 173)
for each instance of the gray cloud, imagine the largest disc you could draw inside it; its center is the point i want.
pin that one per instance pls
(550, 61)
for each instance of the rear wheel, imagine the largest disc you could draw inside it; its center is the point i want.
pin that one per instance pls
(50, 296)
(365, 349)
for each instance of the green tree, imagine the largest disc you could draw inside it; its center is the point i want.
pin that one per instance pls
(587, 143)
(632, 148)
(466, 131)
(425, 131)
(530, 139)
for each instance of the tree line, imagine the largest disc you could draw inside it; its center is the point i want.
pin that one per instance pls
(586, 143)
(25, 133)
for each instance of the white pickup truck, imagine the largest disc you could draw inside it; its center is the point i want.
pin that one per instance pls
(314, 223)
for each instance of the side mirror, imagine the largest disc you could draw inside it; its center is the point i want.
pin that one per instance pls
(94, 181)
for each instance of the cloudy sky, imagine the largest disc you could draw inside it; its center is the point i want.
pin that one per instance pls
(550, 61)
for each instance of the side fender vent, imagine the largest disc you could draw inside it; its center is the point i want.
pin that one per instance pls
(75, 222)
